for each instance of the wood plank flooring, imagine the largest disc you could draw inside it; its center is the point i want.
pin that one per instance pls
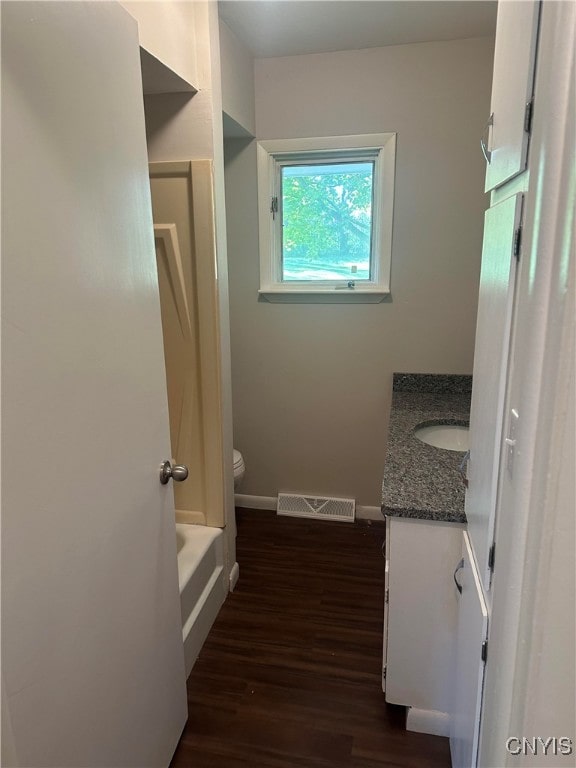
(290, 673)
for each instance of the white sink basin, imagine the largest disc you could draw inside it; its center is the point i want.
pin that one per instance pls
(451, 437)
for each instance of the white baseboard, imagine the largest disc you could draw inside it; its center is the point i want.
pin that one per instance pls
(256, 502)
(369, 513)
(271, 503)
(234, 576)
(428, 721)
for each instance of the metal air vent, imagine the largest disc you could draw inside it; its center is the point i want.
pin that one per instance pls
(321, 507)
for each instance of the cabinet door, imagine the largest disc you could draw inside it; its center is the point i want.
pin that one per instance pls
(515, 53)
(495, 305)
(472, 633)
(422, 614)
(386, 598)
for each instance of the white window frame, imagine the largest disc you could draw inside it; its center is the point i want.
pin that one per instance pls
(271, 156)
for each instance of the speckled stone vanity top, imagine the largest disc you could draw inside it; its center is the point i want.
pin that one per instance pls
(421, 481)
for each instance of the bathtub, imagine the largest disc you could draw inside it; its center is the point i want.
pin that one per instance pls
(201, 581)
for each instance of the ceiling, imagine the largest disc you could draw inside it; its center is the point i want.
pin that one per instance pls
(293, 27)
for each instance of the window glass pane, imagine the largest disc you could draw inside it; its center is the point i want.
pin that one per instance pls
(327, 221)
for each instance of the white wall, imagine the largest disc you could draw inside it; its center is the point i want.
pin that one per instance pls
(223, 291)
(181, 126)
(312, 384)
(237, 68)
(166, 30)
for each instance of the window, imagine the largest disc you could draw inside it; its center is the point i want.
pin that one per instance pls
(325, 208)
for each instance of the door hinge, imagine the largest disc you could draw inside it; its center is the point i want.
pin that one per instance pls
(491, 556)
(387, 596)
(274, 207)
(384, 672)
(484, 653)
(517, 242)
(528, 116)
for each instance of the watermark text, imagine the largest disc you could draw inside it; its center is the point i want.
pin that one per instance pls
(540, 745)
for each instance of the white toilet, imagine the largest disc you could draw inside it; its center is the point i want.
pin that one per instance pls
(239, 469)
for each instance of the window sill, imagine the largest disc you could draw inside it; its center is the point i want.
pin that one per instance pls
(326, 296)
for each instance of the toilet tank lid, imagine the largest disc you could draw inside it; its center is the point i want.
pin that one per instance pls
(237, 457)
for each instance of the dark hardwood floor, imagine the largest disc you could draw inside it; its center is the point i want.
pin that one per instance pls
(290, 673)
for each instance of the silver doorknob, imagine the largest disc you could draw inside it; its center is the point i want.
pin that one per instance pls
(178, 472)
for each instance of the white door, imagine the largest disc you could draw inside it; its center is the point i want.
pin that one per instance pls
(92, 656)
(470, 664)
(495, 307)
(508, 131)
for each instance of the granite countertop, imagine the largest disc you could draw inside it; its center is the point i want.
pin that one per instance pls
(421, 481)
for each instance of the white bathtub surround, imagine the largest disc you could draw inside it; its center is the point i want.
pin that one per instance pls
(234, 576)
(202, 587)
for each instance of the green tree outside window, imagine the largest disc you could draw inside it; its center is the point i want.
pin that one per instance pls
(327, 221)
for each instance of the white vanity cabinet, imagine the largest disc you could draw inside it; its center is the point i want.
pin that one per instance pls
(470, 658)
(507, 133)
(420, 619)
